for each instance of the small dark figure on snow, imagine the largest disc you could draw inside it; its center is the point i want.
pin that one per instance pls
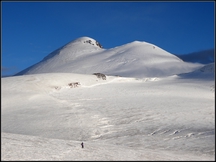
(82, 144)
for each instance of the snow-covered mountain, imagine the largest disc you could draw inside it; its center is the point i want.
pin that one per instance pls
(204, 57)
(157, 108)
(136, 59)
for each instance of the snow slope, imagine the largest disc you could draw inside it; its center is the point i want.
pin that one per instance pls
(120, 118)
(146, 113)
(135, 59)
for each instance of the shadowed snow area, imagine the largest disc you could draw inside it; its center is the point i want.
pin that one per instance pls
(141, 114)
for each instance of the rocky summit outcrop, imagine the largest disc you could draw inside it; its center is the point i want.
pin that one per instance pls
(89, 41)
(93, 43)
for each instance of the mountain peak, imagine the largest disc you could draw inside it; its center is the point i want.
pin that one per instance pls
(85, 56)
(89, 41)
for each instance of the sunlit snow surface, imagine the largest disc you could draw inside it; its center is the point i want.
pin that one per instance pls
(117, 119)
(46, 116)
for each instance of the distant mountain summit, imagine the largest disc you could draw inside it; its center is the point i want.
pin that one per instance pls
(76, 45)
(204, 57)
(89, 41)
(87, 56)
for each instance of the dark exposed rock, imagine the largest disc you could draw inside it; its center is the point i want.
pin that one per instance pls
(92, 43)
(100, 75)
(73, 85)
(98, 44)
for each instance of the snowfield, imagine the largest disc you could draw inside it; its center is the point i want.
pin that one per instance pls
(127, 116)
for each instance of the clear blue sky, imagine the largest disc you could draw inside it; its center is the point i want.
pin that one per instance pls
(32, 30)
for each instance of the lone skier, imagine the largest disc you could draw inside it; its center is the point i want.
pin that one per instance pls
(82, 144)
